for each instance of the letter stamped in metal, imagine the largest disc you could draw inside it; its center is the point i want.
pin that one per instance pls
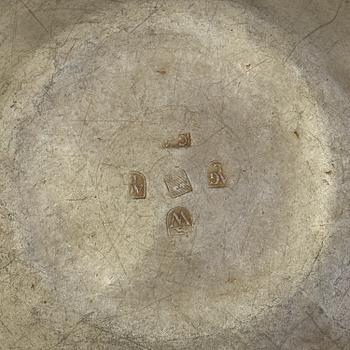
(182, 141)
(137, 185)
(179, 222)
(216, 176)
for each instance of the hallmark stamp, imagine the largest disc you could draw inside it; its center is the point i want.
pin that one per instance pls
(137, 185)
(182, 141)
(216, 176)
(179, 222)
(178, 183)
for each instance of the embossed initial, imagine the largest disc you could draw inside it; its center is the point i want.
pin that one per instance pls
(179, 222)
(216, 176)
(137, 185)
(182, 141)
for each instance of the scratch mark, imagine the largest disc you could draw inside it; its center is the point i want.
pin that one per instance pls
(14, 32)
(178, 64)
(321, 26)
(52, 20)
(322, 331)
(212, 17)
(34, 16)
(332, 47)
(316, 139)
(130, 313)
(78, 199)
(4, 325)
(113, 247)
(309, 4)
(292, 331)
(68, 334)
(309, 166)
(8, 264)
(210, 137)
(247, 71)
(250, 225)
(270, 341)
(84, 122)
(68, 53)
(134, 342)
(343, 297)
(315, 260)
(144, 21)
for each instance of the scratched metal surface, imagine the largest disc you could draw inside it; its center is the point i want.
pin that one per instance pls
(90, 90)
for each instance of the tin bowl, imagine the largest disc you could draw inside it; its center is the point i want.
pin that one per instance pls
(174, 174)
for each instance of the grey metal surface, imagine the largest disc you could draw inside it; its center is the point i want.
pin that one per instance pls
(91, 90)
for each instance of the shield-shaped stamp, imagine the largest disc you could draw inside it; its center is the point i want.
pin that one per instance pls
(179, 222)
(137, 185)
(216, 176)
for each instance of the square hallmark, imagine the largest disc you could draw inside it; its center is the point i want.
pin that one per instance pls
(177, 183)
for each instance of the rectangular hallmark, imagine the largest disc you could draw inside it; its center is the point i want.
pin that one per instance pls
(182, 141)
(177, 183)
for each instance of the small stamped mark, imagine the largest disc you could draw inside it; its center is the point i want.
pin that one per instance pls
(216, 176)
(137, 185)
(182, 141)
(177, 183)
(179, 222)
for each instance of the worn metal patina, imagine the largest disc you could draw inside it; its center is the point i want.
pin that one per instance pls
(249, 252)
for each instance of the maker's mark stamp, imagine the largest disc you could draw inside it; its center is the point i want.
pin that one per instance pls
(137, 185)
(179, 222)
(178, 183)
(216, 176)
(182, 141)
